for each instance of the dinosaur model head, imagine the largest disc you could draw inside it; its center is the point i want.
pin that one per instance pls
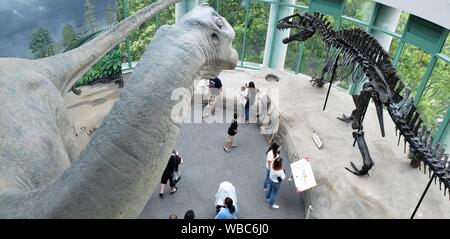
(215, 36)
(304, 23)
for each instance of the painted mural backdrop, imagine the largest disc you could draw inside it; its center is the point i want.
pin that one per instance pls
(40, 28)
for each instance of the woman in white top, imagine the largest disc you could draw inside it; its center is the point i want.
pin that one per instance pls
(277, 175)
(272, 153)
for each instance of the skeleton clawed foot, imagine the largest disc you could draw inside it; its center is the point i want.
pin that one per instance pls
(76, 91)
(364, 170)
(319, 82)
(346, 119)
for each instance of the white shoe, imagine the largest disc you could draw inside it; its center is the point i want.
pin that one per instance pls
(275, 206)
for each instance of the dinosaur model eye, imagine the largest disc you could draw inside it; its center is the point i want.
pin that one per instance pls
(219, 23)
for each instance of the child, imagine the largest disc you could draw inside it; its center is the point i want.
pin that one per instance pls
(232, 131)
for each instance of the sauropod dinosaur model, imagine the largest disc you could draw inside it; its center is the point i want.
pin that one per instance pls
(41, 175)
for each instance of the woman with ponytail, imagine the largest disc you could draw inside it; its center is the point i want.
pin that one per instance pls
(276, 176)
(228, 211)
(272, 153)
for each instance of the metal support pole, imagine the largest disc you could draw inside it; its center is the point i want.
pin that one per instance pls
(299, 57)
(244, 41)
(423, 195)
(127, 40)
(424, 81)
(157, 21)
(401, 45)
(218, 6)
(333, 75)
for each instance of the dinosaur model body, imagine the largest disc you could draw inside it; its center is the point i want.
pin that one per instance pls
(42, 175)
(355, 51)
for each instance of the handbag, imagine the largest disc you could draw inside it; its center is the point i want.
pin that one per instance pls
(176, 176)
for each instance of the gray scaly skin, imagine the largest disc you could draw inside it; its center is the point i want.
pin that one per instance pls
(361, 52)
(114, 176)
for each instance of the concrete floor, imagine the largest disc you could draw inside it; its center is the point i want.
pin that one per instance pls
(206, 165)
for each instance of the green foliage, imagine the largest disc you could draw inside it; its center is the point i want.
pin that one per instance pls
(402, 22)
(258, 17)
(235, 15)
(89, 16)
(107, 68)
(256, 32)
(412, 66)
(142, 36)
(41, 44)
(69, 35)
(359, 9)
(435, 100)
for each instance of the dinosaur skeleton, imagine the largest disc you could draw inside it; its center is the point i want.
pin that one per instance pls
(354, 51)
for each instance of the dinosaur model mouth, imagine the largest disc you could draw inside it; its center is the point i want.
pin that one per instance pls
(295, 22)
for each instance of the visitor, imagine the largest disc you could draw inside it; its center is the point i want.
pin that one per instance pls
(169, 172)
(251, 98)
(189, 215)
(228, 211)
(173, 216)
(272, 153)
(232, 131)
(277, 175)
(242, 100)
(226, 189)
(215, 89)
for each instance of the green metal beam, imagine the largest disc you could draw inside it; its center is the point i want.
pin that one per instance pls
(244, 41)
(277, 16)
(424, 81)
(337, 25)
(298, 59)
(218, 6)
(444, 57)
(443, 129)
(157, 21)
(392, 34)
(400, 46)
(127, 40)
(373, 18)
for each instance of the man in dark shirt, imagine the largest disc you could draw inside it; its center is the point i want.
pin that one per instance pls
(232, 131)
(215, 88)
